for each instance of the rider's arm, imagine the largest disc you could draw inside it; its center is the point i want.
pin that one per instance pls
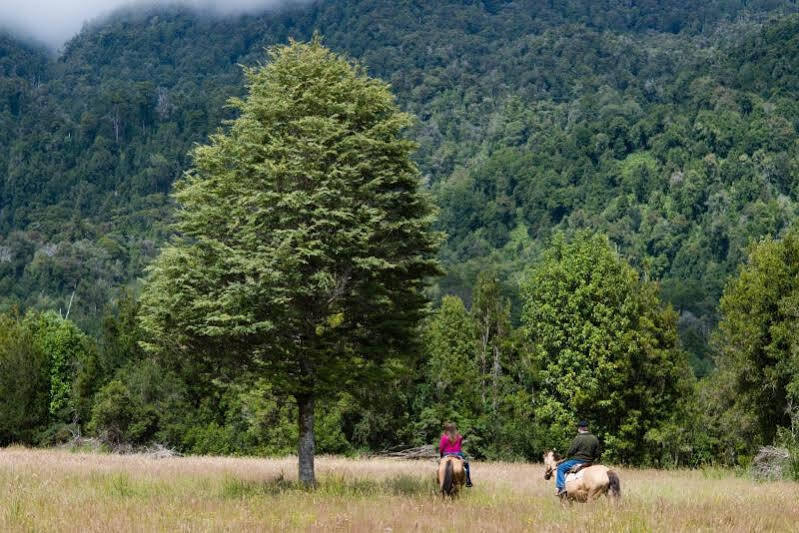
(572, 450)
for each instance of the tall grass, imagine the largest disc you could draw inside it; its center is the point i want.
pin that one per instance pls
(62, 491)
(336, 485)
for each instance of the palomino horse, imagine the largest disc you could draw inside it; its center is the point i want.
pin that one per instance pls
(590, 483)
(451, 475)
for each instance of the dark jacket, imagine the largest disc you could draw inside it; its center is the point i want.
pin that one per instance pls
(585, 447)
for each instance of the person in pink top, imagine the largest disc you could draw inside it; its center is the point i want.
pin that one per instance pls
(452, 444)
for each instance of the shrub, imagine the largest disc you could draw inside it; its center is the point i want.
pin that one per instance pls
(145, 403)
(24, 384)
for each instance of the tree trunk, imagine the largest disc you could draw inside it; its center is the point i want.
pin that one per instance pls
(485, 336)
(306, 446)
(496, 370)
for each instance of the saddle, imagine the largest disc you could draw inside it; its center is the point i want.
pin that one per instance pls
(577, 468)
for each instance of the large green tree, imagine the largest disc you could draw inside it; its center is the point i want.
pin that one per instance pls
(605, 349)
(758, 337)
(303, 238)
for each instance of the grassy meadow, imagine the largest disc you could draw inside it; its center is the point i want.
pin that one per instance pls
(57, 490)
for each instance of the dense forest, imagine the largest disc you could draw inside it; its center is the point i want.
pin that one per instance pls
(671, 129)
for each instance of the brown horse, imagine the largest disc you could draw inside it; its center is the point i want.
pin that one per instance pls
(451, 475)
(589, 484)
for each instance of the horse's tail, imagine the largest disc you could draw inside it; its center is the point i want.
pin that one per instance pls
(614, 486)
(446, 484)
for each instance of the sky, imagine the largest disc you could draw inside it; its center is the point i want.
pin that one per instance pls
(55, 21)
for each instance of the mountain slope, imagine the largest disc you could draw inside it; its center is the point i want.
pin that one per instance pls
(663, 124)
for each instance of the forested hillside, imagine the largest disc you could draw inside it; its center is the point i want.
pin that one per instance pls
(670, 127)
(532, 115)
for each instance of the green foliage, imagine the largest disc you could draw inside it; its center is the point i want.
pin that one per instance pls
(145, 403)
(117, 347)
(671, 127)
(606, 351)
(92, 140)
(767, 61)
(303, 235)
(731, 432)
(111, 412)
(452, 370)
(67, 349)
(40, 357)
(758, 334)
(789, 439)
(24, 384)
(473, 375)
(239, 419)
(530, 132)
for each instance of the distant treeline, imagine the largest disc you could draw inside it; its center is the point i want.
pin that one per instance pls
(594, 342)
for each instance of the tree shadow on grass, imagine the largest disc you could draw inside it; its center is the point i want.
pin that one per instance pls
(405, 485)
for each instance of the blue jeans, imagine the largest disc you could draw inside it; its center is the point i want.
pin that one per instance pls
(560, 478)
(465, 464)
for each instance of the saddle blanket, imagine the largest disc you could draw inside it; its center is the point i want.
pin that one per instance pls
(574, 477)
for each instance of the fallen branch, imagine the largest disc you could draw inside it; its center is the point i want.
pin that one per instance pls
(770, 462)
(428, 451)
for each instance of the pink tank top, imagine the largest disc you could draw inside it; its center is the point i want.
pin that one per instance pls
(450, 447)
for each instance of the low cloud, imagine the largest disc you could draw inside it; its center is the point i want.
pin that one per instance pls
(55, 21)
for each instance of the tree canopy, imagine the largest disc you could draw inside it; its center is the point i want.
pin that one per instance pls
(604, 347)
(758, 337)
(304, 240)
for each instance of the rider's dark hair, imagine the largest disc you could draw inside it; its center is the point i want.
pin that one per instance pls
(451, 431)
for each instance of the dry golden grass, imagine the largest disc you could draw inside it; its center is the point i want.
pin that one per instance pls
(45, 490)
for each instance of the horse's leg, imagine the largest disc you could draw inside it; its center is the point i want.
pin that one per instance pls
(573, 489)
(442, 466)
(596, 492)
(460, 475)
(565, 500)
(581, 492)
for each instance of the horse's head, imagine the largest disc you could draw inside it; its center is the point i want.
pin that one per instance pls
(551, 463)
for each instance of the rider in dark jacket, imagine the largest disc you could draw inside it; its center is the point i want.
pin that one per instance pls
(584, 449)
